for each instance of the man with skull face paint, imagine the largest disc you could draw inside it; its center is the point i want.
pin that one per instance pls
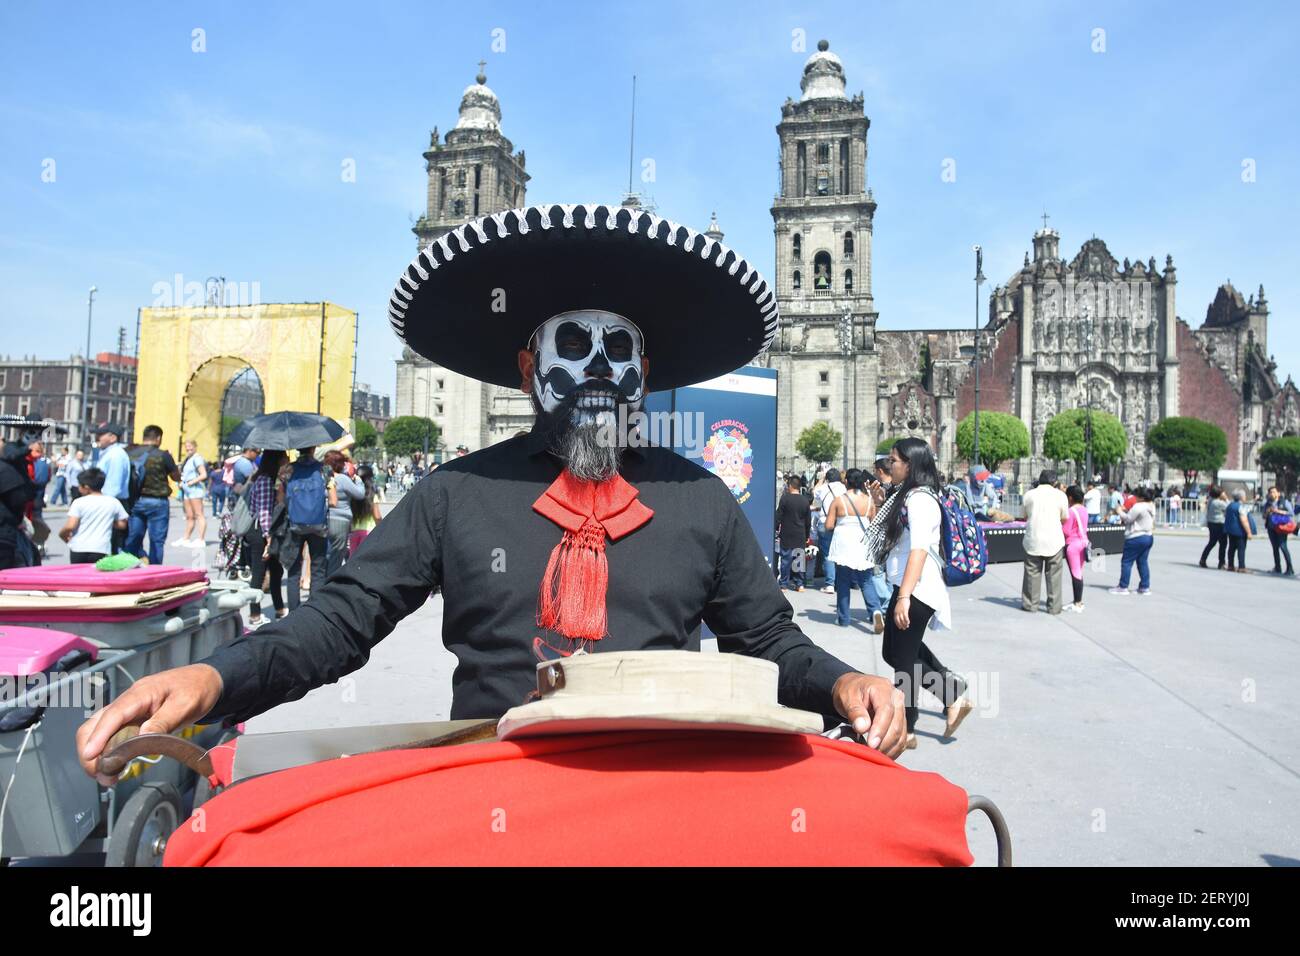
(560, 540)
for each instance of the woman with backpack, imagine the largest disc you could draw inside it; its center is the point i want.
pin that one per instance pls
(905, 533)
(1237, 528)
(263, 557)
(846, 522)
(1279, 521)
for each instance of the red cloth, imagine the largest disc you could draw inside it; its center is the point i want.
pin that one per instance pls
(656, 798)
(571, 599)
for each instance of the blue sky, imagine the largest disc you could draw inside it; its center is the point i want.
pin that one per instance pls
(229, 161)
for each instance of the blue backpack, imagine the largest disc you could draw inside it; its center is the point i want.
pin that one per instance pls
(304, 495)
(965, 555)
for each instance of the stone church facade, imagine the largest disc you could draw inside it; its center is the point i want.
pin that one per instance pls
(1059, 333)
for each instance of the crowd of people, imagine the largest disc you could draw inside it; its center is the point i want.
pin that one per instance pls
(305, 516)
(1056, 533)
(877, 533)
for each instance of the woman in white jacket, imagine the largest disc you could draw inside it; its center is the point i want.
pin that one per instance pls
(906, 531)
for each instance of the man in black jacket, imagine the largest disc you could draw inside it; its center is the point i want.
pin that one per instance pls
(16, 490)
(793, 520)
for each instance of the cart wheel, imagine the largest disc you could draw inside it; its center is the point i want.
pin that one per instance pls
(143, 827)
(1000, 829)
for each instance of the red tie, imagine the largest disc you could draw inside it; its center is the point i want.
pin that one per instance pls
(572, 596)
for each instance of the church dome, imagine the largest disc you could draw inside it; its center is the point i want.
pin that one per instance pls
(823, 75)
(479, 106)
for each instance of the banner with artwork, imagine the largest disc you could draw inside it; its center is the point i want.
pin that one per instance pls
(728, 426)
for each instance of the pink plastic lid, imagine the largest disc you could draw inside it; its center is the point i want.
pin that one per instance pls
(31, 650)
(84, 577)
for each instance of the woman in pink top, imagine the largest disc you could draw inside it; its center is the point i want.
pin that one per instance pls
(1076, 543)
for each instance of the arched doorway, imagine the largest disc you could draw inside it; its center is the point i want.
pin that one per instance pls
(243, 398)
(204, 402)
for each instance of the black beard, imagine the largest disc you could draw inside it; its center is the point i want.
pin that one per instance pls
(578, 439)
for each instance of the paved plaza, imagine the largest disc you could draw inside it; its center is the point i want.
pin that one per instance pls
(1148, 730)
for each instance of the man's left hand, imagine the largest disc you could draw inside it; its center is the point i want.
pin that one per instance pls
(875, 709)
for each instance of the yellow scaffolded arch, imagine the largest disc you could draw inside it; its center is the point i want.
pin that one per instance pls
(303, 352)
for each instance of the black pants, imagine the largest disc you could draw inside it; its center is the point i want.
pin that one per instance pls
(1077, 584)
(1280, 551)
(1218, 537)
(254, 543)
(316, 545)
(1236, 551)
(84, 557)
(914, 664)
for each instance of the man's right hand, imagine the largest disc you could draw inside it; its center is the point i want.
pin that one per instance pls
(160, 703)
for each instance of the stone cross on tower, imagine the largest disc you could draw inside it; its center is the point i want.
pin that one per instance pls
(1045, 217)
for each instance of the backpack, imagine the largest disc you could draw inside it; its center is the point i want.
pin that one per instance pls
(41, 470)
(1281, 522)
(965, 556)
(304, 496)
(135, 482)
(242, 518)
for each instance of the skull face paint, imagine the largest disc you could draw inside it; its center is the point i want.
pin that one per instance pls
(599, 350)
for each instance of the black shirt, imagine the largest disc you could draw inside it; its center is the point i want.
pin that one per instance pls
(793, 516)
(470, 529)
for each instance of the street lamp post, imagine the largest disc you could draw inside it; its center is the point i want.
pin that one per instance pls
(85, 368)
(1087, 389)
(846, 346)
(979, 280)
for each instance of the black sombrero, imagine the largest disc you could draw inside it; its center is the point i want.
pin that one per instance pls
(472, 298)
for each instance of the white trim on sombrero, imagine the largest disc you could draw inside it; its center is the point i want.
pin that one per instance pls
(427, 261)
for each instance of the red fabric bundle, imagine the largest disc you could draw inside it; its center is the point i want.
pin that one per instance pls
(656, 798)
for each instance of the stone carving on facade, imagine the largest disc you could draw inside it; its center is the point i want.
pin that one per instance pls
(913, 412)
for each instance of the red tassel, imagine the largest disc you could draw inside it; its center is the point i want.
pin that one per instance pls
(572, 598)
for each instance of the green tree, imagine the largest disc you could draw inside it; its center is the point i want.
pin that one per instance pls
(1002, 437)
(365, 434)
(228, 423)
(405, 435)
(1064, 438)
(882, 448)
(819, 442)
(1188, 444)
(1282, 457)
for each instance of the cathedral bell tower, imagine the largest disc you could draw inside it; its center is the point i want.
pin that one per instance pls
(475, 171)
(823, 217)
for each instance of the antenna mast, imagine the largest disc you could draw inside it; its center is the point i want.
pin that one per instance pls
(631, 137)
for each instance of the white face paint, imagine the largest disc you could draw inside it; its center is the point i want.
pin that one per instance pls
(585, 347)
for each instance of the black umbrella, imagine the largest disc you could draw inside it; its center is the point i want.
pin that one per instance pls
(285, 430)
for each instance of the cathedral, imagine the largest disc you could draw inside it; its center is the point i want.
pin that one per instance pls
(1058, 335)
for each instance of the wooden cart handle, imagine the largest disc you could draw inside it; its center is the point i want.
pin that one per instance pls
(128, 744)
